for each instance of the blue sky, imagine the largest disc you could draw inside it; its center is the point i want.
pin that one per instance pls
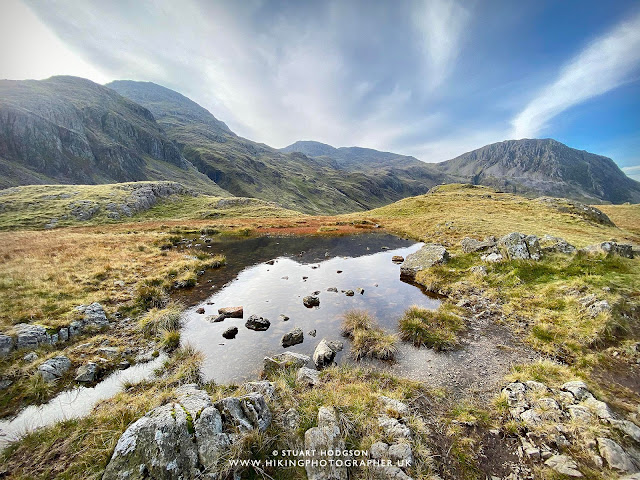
(430, 78)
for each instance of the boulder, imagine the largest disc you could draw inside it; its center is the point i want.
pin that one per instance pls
(87, 373)
(401, 454)
(610, 249)
(230, 333)
(231, 312)
(429, 255)
(30, 336)
(75, 328)
(516, 246)
(54, 368)
(284, 360)
(182, 439)
(326, 436)
(311, 301)
(257, 323)
(492, 257)
(6, 345)
(628, 428)
(470, 245)
(308, 376)
(216, 318)
(578, 389)
(324, 354)
(94, 315)
(246, 413)
(549, 243)
(615, 456)
(294, 337)
(564, 465)
(30, 357)
(264, 387)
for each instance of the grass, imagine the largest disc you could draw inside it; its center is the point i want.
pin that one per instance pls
(368, 340)
(437, 329)
(157, 320)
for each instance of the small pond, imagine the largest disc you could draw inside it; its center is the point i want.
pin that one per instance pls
(301, 266)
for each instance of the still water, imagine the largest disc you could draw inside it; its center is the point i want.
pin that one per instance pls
(301, 266)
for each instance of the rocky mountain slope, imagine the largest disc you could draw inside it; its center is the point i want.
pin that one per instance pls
(544, 167)
(250, 169)
(71, 130)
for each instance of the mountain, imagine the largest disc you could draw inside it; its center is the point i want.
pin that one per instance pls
(353, 158)
(71, 130)
(292, 179)
(535, 167)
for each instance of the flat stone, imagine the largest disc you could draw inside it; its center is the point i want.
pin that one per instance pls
(564, 465)
(429, 255)
(578, 389)
(492, 258)
(30, 336)
(615, 456)
(232, 312)
(470, 245)
(308, 376)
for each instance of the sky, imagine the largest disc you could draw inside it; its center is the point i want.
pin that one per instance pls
(430, 78)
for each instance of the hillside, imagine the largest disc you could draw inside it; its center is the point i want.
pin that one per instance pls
(544, 167)
(71, 130)
(250, 169)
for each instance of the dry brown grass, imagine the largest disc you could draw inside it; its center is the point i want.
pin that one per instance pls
(624, 216)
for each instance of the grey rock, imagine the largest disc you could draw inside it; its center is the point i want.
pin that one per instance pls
(291, 419)
(246, 413)
(158, 445)
(401, 454)
(580, 413)
(30, 357)
(94, 316)
(311, 301)
(324, 354)
(75, 328)
(470, 245)
(615, 456)
(192, 399)
(54, 368)
(379, 451)
(110, 352)
(257, 323)
(284, 360)
(391, 472)
(308, 376)
(6, 345)
(216, 318)
(265, 387)
(4, 384)
(533, 245)
(87, 373)
(628, 428)
(336, 345)
(492, 258)
(294, 337)
(326, 436)
(598, 307)
(480, 270)
(393, 428)
(549, 243)
(578, 389)
(610, 249)
(30, 336)
(564, 465)
(391, 405)
(212, 443)
(516, 246)
(429, 255)
(601, 409)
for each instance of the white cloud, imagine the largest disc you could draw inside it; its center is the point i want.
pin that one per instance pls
(632, 172)
(605, 64)
(32, 50)
(440, 24)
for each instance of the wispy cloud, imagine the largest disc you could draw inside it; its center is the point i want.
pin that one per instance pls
(605, 64)
(440, 24)
(633, 172)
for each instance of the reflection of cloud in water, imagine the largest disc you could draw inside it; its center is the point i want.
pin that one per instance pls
(261, 290)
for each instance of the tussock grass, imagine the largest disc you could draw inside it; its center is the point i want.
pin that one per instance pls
(157, 320)
(367, 338)
(437, 329)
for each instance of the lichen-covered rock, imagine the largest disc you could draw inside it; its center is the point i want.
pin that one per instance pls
(264, 387)
(429, 255)
(284, 360)
(245, 413)
(516, 246)
(30, 336)
(294, 337)
(6, 345)
(94, 315)
(610, 249)
(615, 456)
(549, 243)
(470, 245)
(87, 373)
(394, 428)
(54, 368)
(578, 389)
(326, 436)
(599, 307)
(308, 376)
(564, 465)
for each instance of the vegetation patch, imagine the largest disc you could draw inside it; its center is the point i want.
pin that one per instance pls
(368, 340)
(437, 329)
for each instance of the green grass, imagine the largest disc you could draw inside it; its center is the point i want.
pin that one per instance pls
(368, 340)
(437, 329)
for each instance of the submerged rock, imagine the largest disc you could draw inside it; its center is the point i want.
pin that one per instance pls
(216, 318)
(429, 255)
(311, 301)
(294, 337)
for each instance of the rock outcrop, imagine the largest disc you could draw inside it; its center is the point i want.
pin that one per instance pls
(516, 246)
(186, 439)
(325, 437)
